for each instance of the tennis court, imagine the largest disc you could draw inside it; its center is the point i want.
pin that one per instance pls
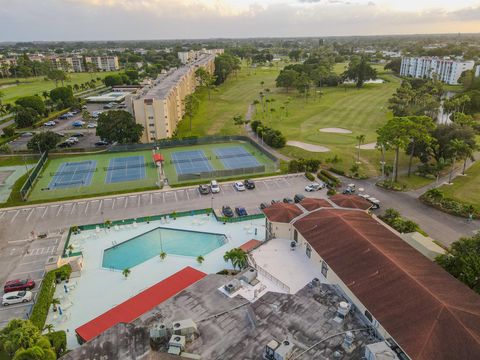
(122, 169)
(236, 157)
(190, 162)
(73, 174)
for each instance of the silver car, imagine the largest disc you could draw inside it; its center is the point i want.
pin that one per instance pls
(16, 297)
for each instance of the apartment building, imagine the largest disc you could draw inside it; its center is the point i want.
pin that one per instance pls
(103, 63)
(68, 63)
(445, 69)
(401, 292)
(186, 57)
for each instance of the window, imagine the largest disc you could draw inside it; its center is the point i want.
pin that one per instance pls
(324, 268)
(151, 125)
(152, 138)
(368, 315)
(295, 235)
(152, 132)
(308, 251)
(150, 118)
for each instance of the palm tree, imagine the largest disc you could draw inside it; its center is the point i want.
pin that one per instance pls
(262, 83)
(163, 255)
(70, 249)
(200, 259)
(456, 147)
(361, 140)
(45, 94)
(126, 272)
(48, 327)
(237, 257)
(255, 103)
(55, 302)
(107, 224)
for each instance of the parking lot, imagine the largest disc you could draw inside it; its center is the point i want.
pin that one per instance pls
(23, 254)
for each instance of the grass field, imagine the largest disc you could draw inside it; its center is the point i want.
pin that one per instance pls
(361, 111)
(37, 85)
(465, 188)
(217, 164)
(98, 185)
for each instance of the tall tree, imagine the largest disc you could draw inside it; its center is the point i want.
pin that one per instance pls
(359, 70)
(205, 79)
(43, 141)
(119, 126)
(191, 104)
(361, 139)
(287, 79)
(419, 132)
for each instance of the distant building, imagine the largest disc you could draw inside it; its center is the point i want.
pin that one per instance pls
(446, 70)
(186, 57)
(103, 63)
(160, 106)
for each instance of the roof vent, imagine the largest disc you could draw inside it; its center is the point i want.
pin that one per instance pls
(342, 311)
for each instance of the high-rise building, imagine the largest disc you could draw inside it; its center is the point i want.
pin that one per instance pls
(103, 63)
(446, 70)
(159, 107)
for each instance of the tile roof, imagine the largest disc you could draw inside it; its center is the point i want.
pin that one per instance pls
(351, 201)
(282, 212)
(430, 314)
(313, 204)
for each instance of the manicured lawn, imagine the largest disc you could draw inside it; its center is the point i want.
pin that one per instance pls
(361, 111)
(414, 181)
(465, 188)
(37, 85)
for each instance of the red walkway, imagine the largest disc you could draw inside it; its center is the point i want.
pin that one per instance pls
(132, 308)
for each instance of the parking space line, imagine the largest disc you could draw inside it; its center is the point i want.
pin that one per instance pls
(26, 272)
(15, 216)
(186, 192)
(32, 210)
(33, 262)
(2, 214)
(151, 199)
(139, 199)
(59, 209)
(163, 197)
(113, 203)
(175, 193)
(73, 208)
(126, 202)
(100, 206)
(86, 207)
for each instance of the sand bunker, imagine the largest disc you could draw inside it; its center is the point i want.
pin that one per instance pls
(308, 147)
(370, 146)
(336, 130)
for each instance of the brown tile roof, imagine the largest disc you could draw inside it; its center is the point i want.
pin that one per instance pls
(281, 212)
(351, 201)
(313, 204)
(250, 245)
(430, 314)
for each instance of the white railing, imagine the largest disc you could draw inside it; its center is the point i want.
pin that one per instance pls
(273, 279)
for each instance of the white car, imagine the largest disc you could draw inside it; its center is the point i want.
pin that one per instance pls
(50, 123)
(314, 187)
(16, 297)
(239, 186)
(214, 187)
(91, 125)
(72, 139)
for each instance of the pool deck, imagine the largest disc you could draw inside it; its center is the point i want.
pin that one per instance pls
(99, 289)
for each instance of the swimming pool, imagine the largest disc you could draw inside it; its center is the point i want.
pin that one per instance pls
(150, 244)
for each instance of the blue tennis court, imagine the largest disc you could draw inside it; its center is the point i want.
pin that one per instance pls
(128, 168)
(190, 162)
(73, 174)
(236, 157)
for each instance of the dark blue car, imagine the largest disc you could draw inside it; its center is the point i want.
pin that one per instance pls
(241, 211)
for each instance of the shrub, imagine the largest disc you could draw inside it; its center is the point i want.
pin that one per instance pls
(332, 178)
(435, 198)
(309, 176)
(45, 296)
(331, 192)
(301, 165)
(58, 339)
(393, 218)
(9, 131)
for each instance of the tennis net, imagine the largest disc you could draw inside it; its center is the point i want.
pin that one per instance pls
(125, 166)
(78, 171)
(180, 161)
(229, 156)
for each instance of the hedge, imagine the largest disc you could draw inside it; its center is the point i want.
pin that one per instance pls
(337, 171)
(45, 296)
(331, 177)
(309, 176)
(436, 199)
(58, 339)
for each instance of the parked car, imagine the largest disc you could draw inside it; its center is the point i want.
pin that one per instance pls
(75, 111)
(275, 201)
(26, 134)
(72, 139)
(239, 186)
(298, 197)
(227, 211)
(314, 187)
(241, 211)
(288, 200)
(63, 117)
(214, 187)
(375, 203)
(249, 184)
(107, 106)
(84, 107)
(96, 114)
(77, 135)
(65, 144)
(263, 205)
(101, 143)
(16, 297)
(18, 284)
(78, 123)
(204, 189)
(91, 125)
(50, 123)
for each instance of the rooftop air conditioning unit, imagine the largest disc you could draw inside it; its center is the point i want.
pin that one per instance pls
(185, 328)
(232, 286)
(347, 344)
(278, 351)
(248, 275)
(158, 331)
(176, 344)
(342, 311)
(380, 351)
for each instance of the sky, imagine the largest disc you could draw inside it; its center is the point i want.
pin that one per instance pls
(64, 20)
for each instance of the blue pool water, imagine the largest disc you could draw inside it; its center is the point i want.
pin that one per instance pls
(150, 244)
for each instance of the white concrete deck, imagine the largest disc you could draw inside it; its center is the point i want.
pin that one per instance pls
(291, 267)
(99, 289)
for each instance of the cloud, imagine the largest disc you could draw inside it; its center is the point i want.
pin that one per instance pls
(166, 19)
